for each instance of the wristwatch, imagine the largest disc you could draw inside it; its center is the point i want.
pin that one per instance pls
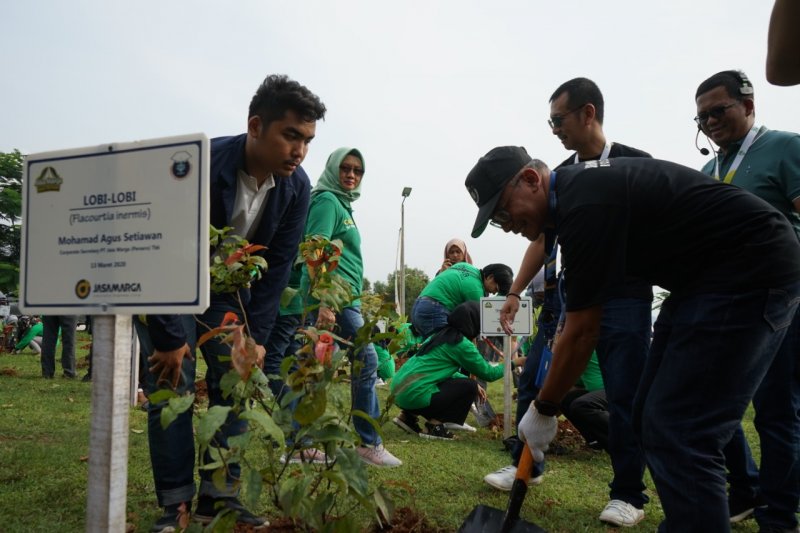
(547, 408)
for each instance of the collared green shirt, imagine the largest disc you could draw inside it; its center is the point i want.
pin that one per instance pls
(460, 283)
(770, 170)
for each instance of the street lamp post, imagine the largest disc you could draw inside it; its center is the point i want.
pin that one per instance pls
(402, 306)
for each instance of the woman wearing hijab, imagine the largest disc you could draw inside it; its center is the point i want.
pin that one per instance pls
(330, 215)
(460, 283)
(455, 251)
(430, 383)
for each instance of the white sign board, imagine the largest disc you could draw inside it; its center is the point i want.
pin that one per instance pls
(490, 316)
(119, 228)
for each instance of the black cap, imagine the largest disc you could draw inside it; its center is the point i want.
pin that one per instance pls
(490, 175)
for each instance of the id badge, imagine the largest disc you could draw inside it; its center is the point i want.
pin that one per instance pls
(544, 366)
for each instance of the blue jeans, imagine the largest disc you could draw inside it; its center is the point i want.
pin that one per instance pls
(281, 344)
(51, 325)
(777, 420)
(622, 352)
(428, 316)
(709, 354)
(172, 450)
(362, 387)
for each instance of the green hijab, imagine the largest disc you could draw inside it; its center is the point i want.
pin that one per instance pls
(329, 180)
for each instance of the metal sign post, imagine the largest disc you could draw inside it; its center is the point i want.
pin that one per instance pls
(125, 226)
(490, 325)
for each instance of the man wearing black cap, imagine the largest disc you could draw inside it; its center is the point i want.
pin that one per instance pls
(730, 262)
(577, 110)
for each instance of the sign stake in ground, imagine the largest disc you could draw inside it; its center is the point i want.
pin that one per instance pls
(113, 231)
(491, 327)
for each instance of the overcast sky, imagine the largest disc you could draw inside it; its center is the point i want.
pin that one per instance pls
(422, 88)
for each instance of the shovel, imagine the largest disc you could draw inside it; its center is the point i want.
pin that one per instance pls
(485, 519)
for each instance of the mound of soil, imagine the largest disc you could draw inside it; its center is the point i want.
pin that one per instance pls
(407, 520)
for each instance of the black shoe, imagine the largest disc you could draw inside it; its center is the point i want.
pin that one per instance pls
(773, 529)
(208, 508)
(87, 377)
(436, 431)
(168, 523)
(741, 509)
(408, 423)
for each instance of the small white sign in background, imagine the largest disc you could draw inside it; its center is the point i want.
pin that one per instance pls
(119, 228)
(490, 316)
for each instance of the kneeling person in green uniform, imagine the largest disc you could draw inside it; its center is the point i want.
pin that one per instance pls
(430, 384)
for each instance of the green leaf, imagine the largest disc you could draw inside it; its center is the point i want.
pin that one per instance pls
(384, 503)
(366, 417)
(219, 478)
(353, 470)
(287, 296)
(311, 407)
(252, 487)
(211, 422)
(266, 423)
(229, 382)
(161, 395)
(175, 406)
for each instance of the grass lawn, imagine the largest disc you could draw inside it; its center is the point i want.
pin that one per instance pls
(44, 444)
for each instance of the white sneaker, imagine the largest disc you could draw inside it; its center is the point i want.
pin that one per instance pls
(459, 427)
(503, 479)
(310, 455)
(620, 513)
(378, 456)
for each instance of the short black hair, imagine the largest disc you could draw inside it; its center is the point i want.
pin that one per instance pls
(582, 91)
(736, 83)
(502, 274)
(278, 94)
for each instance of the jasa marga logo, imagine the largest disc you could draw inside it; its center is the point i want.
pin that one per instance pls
(119, 288)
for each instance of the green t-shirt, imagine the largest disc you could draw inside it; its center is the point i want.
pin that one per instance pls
(385, 362)
(770, 170)
(329, 218)
(592, 378)
(417, 379)
(458, 284)
(295, 305)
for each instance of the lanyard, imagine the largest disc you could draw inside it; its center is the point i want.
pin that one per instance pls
(550, 235)
(748, 141)
(604, 155)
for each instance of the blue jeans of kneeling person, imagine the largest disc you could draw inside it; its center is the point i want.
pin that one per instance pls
(709, 354)
(172, 450)
(428, 316)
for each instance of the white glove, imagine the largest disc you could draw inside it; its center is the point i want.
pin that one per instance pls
(538, 431)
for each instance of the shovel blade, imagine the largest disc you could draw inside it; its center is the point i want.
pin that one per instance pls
(485, 519)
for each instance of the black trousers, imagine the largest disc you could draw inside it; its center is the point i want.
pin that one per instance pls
(588, 412)
(451, 403)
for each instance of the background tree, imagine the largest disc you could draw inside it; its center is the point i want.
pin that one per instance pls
(416, 280)
(10, 212)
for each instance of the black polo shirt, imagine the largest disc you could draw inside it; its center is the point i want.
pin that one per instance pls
(669, 225)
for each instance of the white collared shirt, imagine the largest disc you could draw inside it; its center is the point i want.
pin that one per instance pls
(249, 204)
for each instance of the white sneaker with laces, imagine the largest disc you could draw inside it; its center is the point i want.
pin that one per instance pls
(378, 456)
(620, 513)
(310, 455)
(459, 427)
(503, 479)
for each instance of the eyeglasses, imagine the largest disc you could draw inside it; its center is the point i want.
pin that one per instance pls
(715, 112)
(347, 169)
(556, 120)
(500, 218)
